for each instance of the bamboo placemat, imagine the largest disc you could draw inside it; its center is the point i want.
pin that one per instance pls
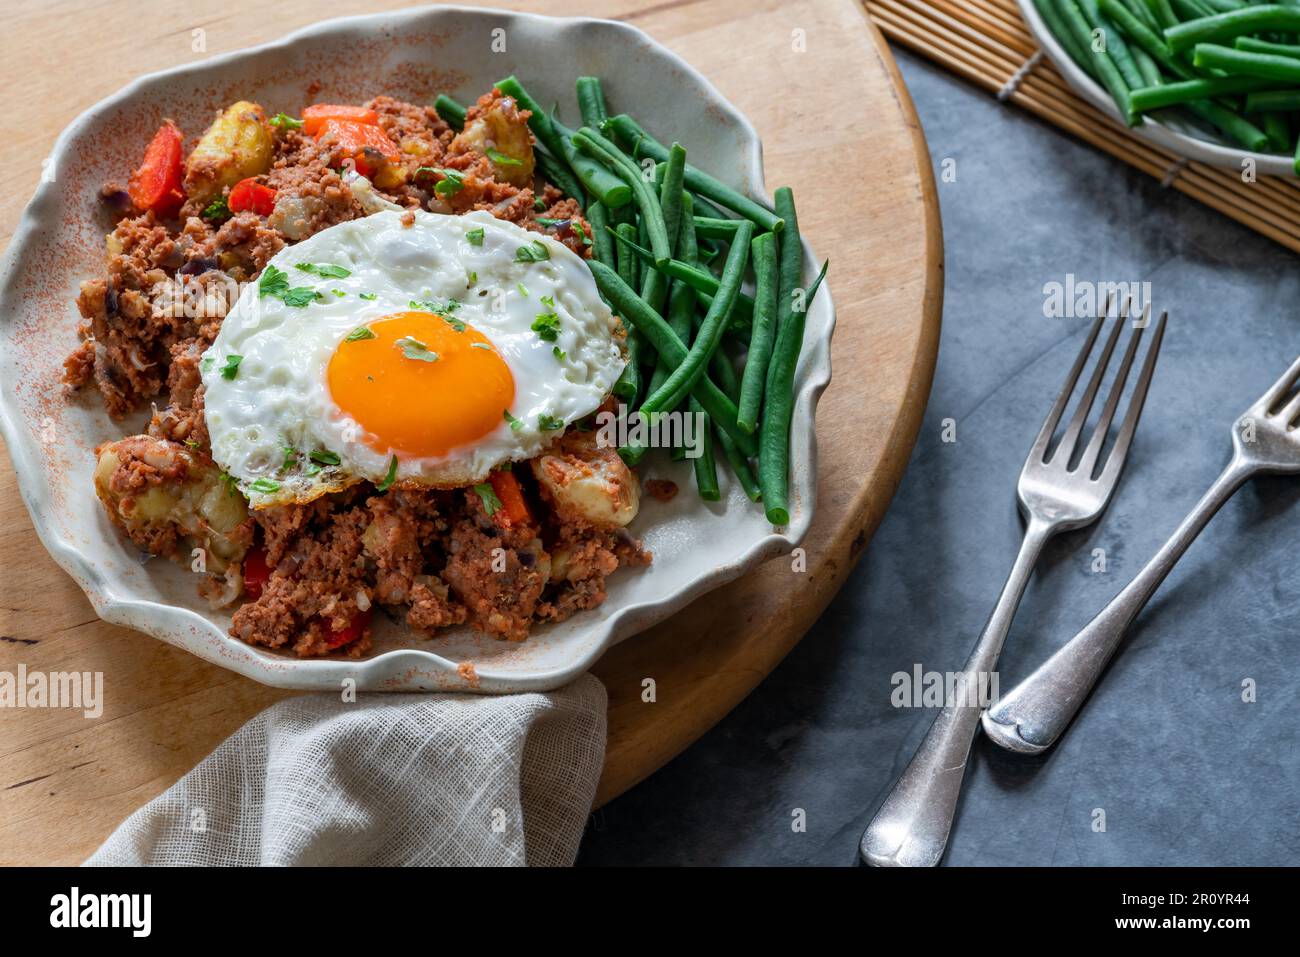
(987, 42)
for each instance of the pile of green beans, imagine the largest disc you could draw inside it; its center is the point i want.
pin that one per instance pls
(672, 247)
(1232, 65)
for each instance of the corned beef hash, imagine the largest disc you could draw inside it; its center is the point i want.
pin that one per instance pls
(373, 350)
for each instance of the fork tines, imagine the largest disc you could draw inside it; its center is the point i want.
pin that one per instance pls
(1065, 449)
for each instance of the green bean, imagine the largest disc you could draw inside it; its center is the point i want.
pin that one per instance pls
(628, 386)
(1051, 15)
(711, 228)
(706, 467)
(1164, 14)
(1234, 62)
(452, 113)
(609, 189)
(774, 432)
(1154, 97)
(1146, 40)
(780, 401)
(670, 193)
(598, 216)
(1109, 73)
(1278, 131)
(628, 304)
(724, 373)
(703, 280)
(1286, 101)
(1232, 125)
(1253, 45)
(1223, 6)
(762, 332)
(1143, 13)
(559, 175)
(602, 150)
(696, 180)
(1147, 66)
(687, 372)
(1189, 10)
(591, 101)
(1296, 164)
(1226, 26)
(1113, 43)
(681, 298)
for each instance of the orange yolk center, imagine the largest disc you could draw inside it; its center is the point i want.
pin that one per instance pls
(420, 384)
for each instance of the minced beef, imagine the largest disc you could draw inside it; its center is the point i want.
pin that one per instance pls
(432, 558)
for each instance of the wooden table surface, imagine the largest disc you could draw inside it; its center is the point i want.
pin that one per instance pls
(820, 86)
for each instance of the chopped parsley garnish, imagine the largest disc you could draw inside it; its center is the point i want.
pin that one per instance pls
(368, 296)
(192, 444)
(231, 368)
(471, 278)
(206, 364)
(216, 210)
(454, 323)
(539, 204)
(275, 283)
(559, 353)
(413, 348)
(391, 477)
(491, 504)
(290, 457)
(325, 270)
(534, 252)
(452, 181)
(480, 345)
(501, 159)
(515, 424)
(230, 482)
(339, 292)
(324, 457)
(576, 226)
(547, 326)
(548, 423)
(285, 122)
(265, 485)
(475, 236)
(545, 221)
(441, 309)
(359, 333)
(523, 290)
(548, 301)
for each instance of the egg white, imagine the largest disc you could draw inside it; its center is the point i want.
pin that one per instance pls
(279, 399)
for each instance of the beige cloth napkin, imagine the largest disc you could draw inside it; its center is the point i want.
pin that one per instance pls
(388, 780)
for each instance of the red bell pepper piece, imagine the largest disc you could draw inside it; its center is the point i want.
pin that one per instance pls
(514, 510)
(256, 573)
(354, 138)
(354, 630)
(248, 194)
(156, 185)
(314, 117)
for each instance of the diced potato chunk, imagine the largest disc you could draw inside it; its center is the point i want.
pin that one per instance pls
(588, 483)
(236, 146)
(500, 128)
(171, 500)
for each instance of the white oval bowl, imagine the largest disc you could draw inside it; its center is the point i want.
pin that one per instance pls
(1184, 139)
(414, 55)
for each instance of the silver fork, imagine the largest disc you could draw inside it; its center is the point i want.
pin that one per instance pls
(911, 828)
(1037, 710)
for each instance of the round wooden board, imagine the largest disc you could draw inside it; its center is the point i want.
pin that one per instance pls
(820, 86)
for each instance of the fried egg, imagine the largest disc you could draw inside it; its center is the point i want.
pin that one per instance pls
(427, 354)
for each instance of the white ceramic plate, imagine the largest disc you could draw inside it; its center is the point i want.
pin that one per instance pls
(1171, 132)
(412, 55)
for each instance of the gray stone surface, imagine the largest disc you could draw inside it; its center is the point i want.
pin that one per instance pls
(1185, 772)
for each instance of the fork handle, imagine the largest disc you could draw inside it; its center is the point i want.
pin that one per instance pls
(911, 828)
(1033, 714)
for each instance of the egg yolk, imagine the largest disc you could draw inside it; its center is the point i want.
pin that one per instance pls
(420, 384)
